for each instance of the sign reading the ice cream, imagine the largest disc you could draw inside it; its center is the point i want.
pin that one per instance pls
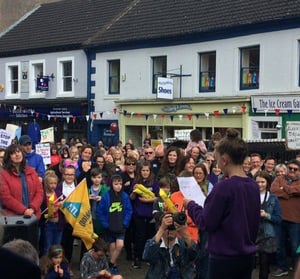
(280, 103)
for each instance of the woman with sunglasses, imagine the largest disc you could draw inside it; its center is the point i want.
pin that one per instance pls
(128, 177)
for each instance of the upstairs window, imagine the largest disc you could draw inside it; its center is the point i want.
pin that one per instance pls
(65, 75)
(13, 81)
(159, 69)
(114, 77)
(249, 76)
(207, 72)
(37, 71)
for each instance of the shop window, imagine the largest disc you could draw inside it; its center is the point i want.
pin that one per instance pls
(249, 72)
(159, 69)
(207, 72)
(266, 129)
(13, 79)
(114, 77)
(65, 75)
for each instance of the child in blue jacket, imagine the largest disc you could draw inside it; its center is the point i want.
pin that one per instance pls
(114, 213)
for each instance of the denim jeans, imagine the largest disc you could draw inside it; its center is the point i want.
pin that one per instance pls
(52, 235)
(290, 232)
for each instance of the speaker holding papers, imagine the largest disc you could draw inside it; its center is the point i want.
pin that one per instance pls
(23, 227)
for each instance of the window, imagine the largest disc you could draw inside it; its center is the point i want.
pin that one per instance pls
(13, 80)
(37, 71)
(207, 72)
(65, 75)
(270, 129)
(249, 76)
(114, 77)
(159, 69)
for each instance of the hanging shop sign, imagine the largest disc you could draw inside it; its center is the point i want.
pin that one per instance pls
(42, 83)
(165, 88)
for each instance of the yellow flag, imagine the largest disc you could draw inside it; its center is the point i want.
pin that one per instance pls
(77, 211)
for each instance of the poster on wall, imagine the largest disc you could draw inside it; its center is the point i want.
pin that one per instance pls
(292, 133)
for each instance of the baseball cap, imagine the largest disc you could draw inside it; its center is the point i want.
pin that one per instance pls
(25, 139)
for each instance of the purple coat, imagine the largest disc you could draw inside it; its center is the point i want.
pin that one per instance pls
(231, 217)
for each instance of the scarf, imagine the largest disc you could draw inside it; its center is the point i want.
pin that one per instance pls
(25, 197)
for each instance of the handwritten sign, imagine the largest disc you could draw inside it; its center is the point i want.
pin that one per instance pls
(47, 135)
(14, 130)
(292, 132)
(5, 138)
(44, 150)
(183, 134)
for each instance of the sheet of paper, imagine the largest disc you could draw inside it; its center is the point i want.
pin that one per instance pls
(191, 190)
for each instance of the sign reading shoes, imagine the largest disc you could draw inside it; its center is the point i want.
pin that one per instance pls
(165, 88)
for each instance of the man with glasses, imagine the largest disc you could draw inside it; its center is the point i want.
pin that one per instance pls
(287, 189)
(159, 155)
(149, 153)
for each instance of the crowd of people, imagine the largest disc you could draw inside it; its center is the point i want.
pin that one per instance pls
(251, 212)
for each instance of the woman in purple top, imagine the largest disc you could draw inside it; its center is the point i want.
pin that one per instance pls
(231, 214)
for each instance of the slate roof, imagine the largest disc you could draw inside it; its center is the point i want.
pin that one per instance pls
(73, 24)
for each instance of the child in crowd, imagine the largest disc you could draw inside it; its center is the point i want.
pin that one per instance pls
(270, 214)
(96, 192)
(73, 159)
(94, 263)
(66, 187)
(114, 213)
(159, 206)
(142, 212)
(196, 140)
(54, 265)
(52, 231)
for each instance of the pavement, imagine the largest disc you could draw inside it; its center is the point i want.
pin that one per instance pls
(128, 272)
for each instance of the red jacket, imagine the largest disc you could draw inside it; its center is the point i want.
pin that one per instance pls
(11, 192)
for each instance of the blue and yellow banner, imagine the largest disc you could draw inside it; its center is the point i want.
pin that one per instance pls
(77, 211)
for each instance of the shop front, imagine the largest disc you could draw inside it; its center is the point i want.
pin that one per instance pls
(68, 118)
(169, 120)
